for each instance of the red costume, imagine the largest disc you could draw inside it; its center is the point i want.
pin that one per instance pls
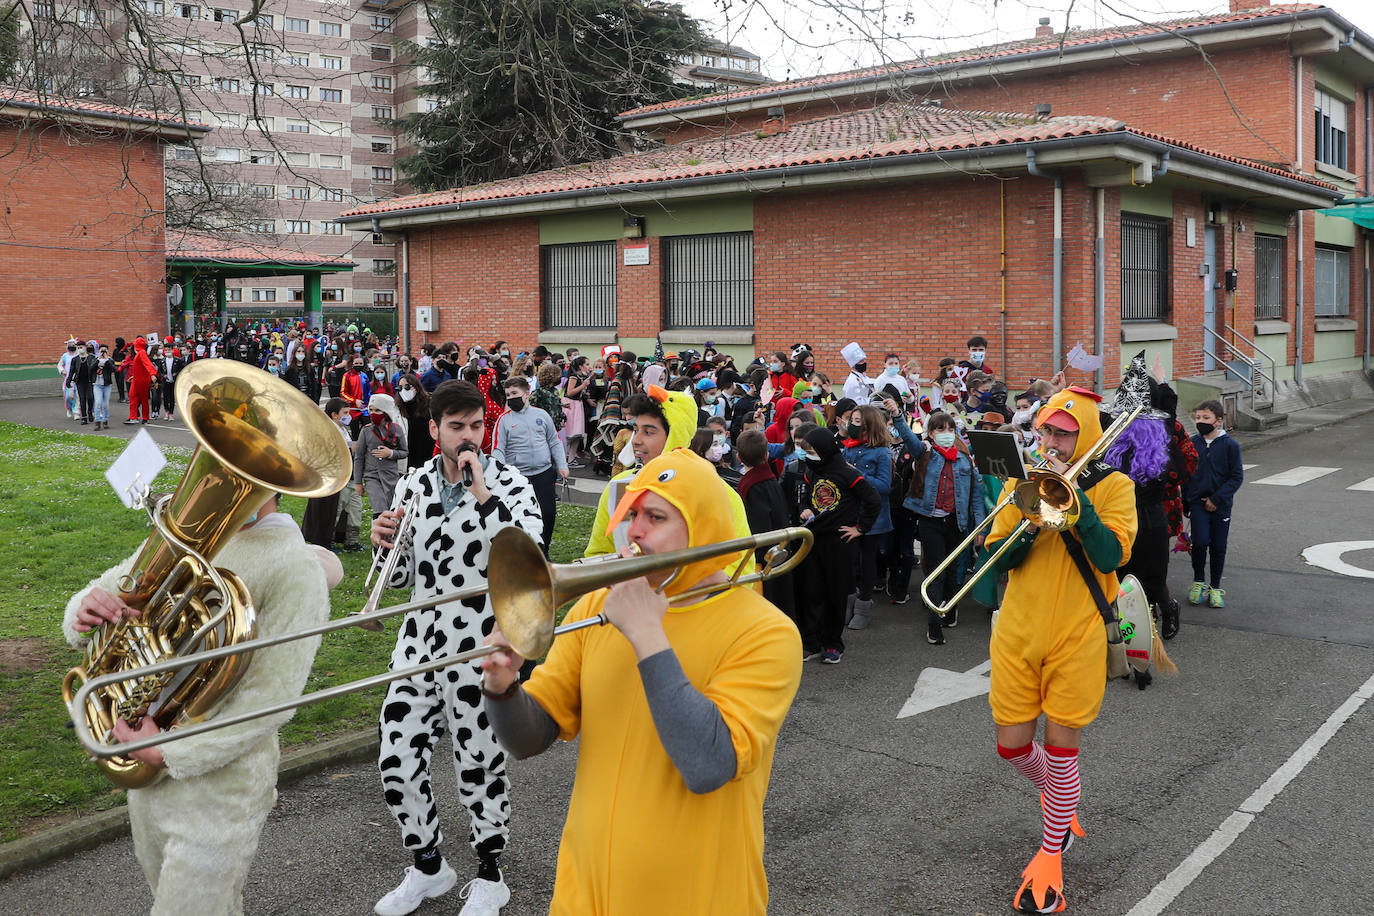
(139, 371)
(492, 414)
(353, 393)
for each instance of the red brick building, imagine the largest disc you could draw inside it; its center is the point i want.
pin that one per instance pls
(1285, 85)
(888, 224)
(83, 245)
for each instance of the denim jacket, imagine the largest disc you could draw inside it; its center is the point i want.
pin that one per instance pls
(968, 491)
(875, 463)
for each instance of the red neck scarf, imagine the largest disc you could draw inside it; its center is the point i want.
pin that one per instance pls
(950, 454)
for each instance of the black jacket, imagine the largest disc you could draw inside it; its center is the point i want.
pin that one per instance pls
(835, 491)
(1219, 473)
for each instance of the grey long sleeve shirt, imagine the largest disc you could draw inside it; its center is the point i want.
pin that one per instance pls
(529, 441)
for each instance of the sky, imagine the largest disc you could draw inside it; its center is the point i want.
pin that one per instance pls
(799, 38)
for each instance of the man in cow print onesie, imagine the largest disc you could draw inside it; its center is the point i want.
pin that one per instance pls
(452, 532)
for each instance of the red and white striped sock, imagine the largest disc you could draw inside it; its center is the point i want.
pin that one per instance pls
(1030, 761)
(1062, 790)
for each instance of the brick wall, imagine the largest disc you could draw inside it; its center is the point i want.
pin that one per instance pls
(83, 247)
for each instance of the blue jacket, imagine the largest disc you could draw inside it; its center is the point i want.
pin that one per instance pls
(1219, 473)
(874, 462)
(968, 491)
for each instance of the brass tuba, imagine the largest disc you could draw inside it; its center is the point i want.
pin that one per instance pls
(256, 435)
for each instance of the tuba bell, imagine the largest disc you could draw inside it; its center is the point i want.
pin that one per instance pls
(256, 435)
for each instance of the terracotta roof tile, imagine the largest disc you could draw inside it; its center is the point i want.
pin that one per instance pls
(194, 246)
(892, 129)
(1074, 38)
(24, 98)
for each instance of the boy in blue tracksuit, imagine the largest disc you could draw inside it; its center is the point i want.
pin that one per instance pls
(1207, 497)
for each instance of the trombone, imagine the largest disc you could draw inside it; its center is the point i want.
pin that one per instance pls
(383, 569)
(526, 591)
(1046, 499)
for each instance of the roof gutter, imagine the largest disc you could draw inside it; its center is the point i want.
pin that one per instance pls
(1011, 156)
(652, 118)
(172, 129)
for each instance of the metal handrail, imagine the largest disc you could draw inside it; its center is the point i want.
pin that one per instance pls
(1232, 348)
(1273, 364)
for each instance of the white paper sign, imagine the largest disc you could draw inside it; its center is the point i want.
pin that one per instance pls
(637, 256)
(133, 472)
(1082, 360)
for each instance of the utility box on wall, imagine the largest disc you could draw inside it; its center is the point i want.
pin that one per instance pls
(426, 318)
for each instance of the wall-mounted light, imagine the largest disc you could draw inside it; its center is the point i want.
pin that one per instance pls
(634, 228)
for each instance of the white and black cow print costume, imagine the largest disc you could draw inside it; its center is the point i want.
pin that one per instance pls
(449, 552)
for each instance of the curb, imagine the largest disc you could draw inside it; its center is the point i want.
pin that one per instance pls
(1258, 440)
(48, 846)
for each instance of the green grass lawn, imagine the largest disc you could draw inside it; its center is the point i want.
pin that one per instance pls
(63, 526)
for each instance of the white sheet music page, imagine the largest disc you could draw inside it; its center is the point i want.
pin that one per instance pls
(134, 471)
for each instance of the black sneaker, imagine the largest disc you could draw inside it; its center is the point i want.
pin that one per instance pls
(1053, 903)
(933, 634)
(951, 619)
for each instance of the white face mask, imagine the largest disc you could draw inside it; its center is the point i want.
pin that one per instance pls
(407, 394)
(627, 455)
(200, 351)
(976, 357)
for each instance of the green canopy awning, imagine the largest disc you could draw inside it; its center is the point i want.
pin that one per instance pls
(1359, 210)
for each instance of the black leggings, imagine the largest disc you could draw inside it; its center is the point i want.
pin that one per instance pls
(866, 567)
(939, 536)
(826, 578)
(548, 503)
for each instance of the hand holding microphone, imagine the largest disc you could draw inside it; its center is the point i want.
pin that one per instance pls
(467, 466)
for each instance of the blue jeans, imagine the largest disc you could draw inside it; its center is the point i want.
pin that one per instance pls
(1210, 531)
(102, 403)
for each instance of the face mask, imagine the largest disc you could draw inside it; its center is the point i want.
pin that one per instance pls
(853, 430)
(984, 397)
(334, 348)
(720, 438)
(299, 356)
(709, 399)
(71, 349)
(806, 400)
(81, 351)
(811, 458)
(944, 440)
(1021, 418)
(598, 372)
(627, 455)
(1206, 429)
(275, 370)
(716, 452)
(377, 417)
(380, 374)
(505, 353)
(891, 370)
(976, 357)
(861, 368)
(775, 367)
(251, 519)
(200, 351)
(951, 397)
(357, 348)
(407, 394)
(515, 404)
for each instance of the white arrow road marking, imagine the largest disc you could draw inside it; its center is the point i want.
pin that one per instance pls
(1366, 485)
(938, 687)
(1328, 557)
(1295, 476)
(1246, 467)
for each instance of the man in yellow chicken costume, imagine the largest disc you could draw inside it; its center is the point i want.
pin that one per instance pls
(1049, 646)
(678, 704)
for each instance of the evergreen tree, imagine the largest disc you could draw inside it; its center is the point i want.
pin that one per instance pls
(525, 85)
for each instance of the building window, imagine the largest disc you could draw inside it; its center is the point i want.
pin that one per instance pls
(381, 112)
(331, 63)
(331, 95)
(297, 295)
(262, 157)
(381, 173)
(577, 285)
(331, 162)
(227, 154)
(331, 29)
(263, 89)
(226, 84)
(1333, 282)
(266, 226)
(379, 238)
(183, 152)
(262, 52)
(297, 25)
(294, 193)
(381, 83)
(431, 105)
(265, 191)
(708, 280)
(294, 126)
(298, 226)
(1144, 268)
(1332, 118)
(298, 60)
(47, 11)
(188, 79)
(87, 16)
(381, 23)
(264, 295)
(384, 266)
(380, 53)
(299, 160)
(381, 146)
(332, 128)
(233, 295)
(383, 298)
(263, 21)
(297, 92)
(334, 194)
(334, 294)
(151, 6)
(187, 11)
(223, 15)
(1269, 251)
(331, 228)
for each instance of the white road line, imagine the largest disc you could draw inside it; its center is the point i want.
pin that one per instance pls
(1366, 485)
(1295, 476)
(1246, 467)
(1209, 849)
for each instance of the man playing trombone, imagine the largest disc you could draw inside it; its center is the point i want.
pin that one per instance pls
(1049, 644)
(678, 705)
(457, 503)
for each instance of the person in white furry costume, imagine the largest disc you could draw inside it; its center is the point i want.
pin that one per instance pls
(196, 832)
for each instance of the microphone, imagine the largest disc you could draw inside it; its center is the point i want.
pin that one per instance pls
(467, 469)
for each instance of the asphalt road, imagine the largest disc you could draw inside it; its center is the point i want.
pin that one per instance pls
(1229, 789)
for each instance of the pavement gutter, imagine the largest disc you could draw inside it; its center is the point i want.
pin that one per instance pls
(59, 842)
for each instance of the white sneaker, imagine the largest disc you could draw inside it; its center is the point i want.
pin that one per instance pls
(415, 889)
(484, 898)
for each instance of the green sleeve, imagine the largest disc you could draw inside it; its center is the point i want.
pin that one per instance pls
(1014, 555)
(1099, 543)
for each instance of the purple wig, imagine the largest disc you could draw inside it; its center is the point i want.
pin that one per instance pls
(1146, 444)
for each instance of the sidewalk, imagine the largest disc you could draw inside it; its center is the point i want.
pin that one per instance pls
(83, 833)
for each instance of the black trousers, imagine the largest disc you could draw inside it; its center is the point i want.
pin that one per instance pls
(169, 398)
(85, 394)
(866, 564)
(548, 502)
(939, 536)
(119, 383)
(826, 578)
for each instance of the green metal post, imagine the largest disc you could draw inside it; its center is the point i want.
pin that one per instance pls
(313, 308)
(221, 303)
(188, 305)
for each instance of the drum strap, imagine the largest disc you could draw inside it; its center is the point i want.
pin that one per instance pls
(1080, 560)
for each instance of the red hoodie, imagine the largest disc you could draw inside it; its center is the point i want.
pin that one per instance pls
(139, 368)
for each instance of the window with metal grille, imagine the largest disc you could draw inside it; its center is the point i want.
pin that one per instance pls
(1333, 282)
(1269, 276)
(1144, 268)
(577, 285)
(708, 280)
(1332, 117)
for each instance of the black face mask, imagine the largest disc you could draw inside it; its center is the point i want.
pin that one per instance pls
(1206, 429)
(515, 404)
(853, 430)
(861, 368)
